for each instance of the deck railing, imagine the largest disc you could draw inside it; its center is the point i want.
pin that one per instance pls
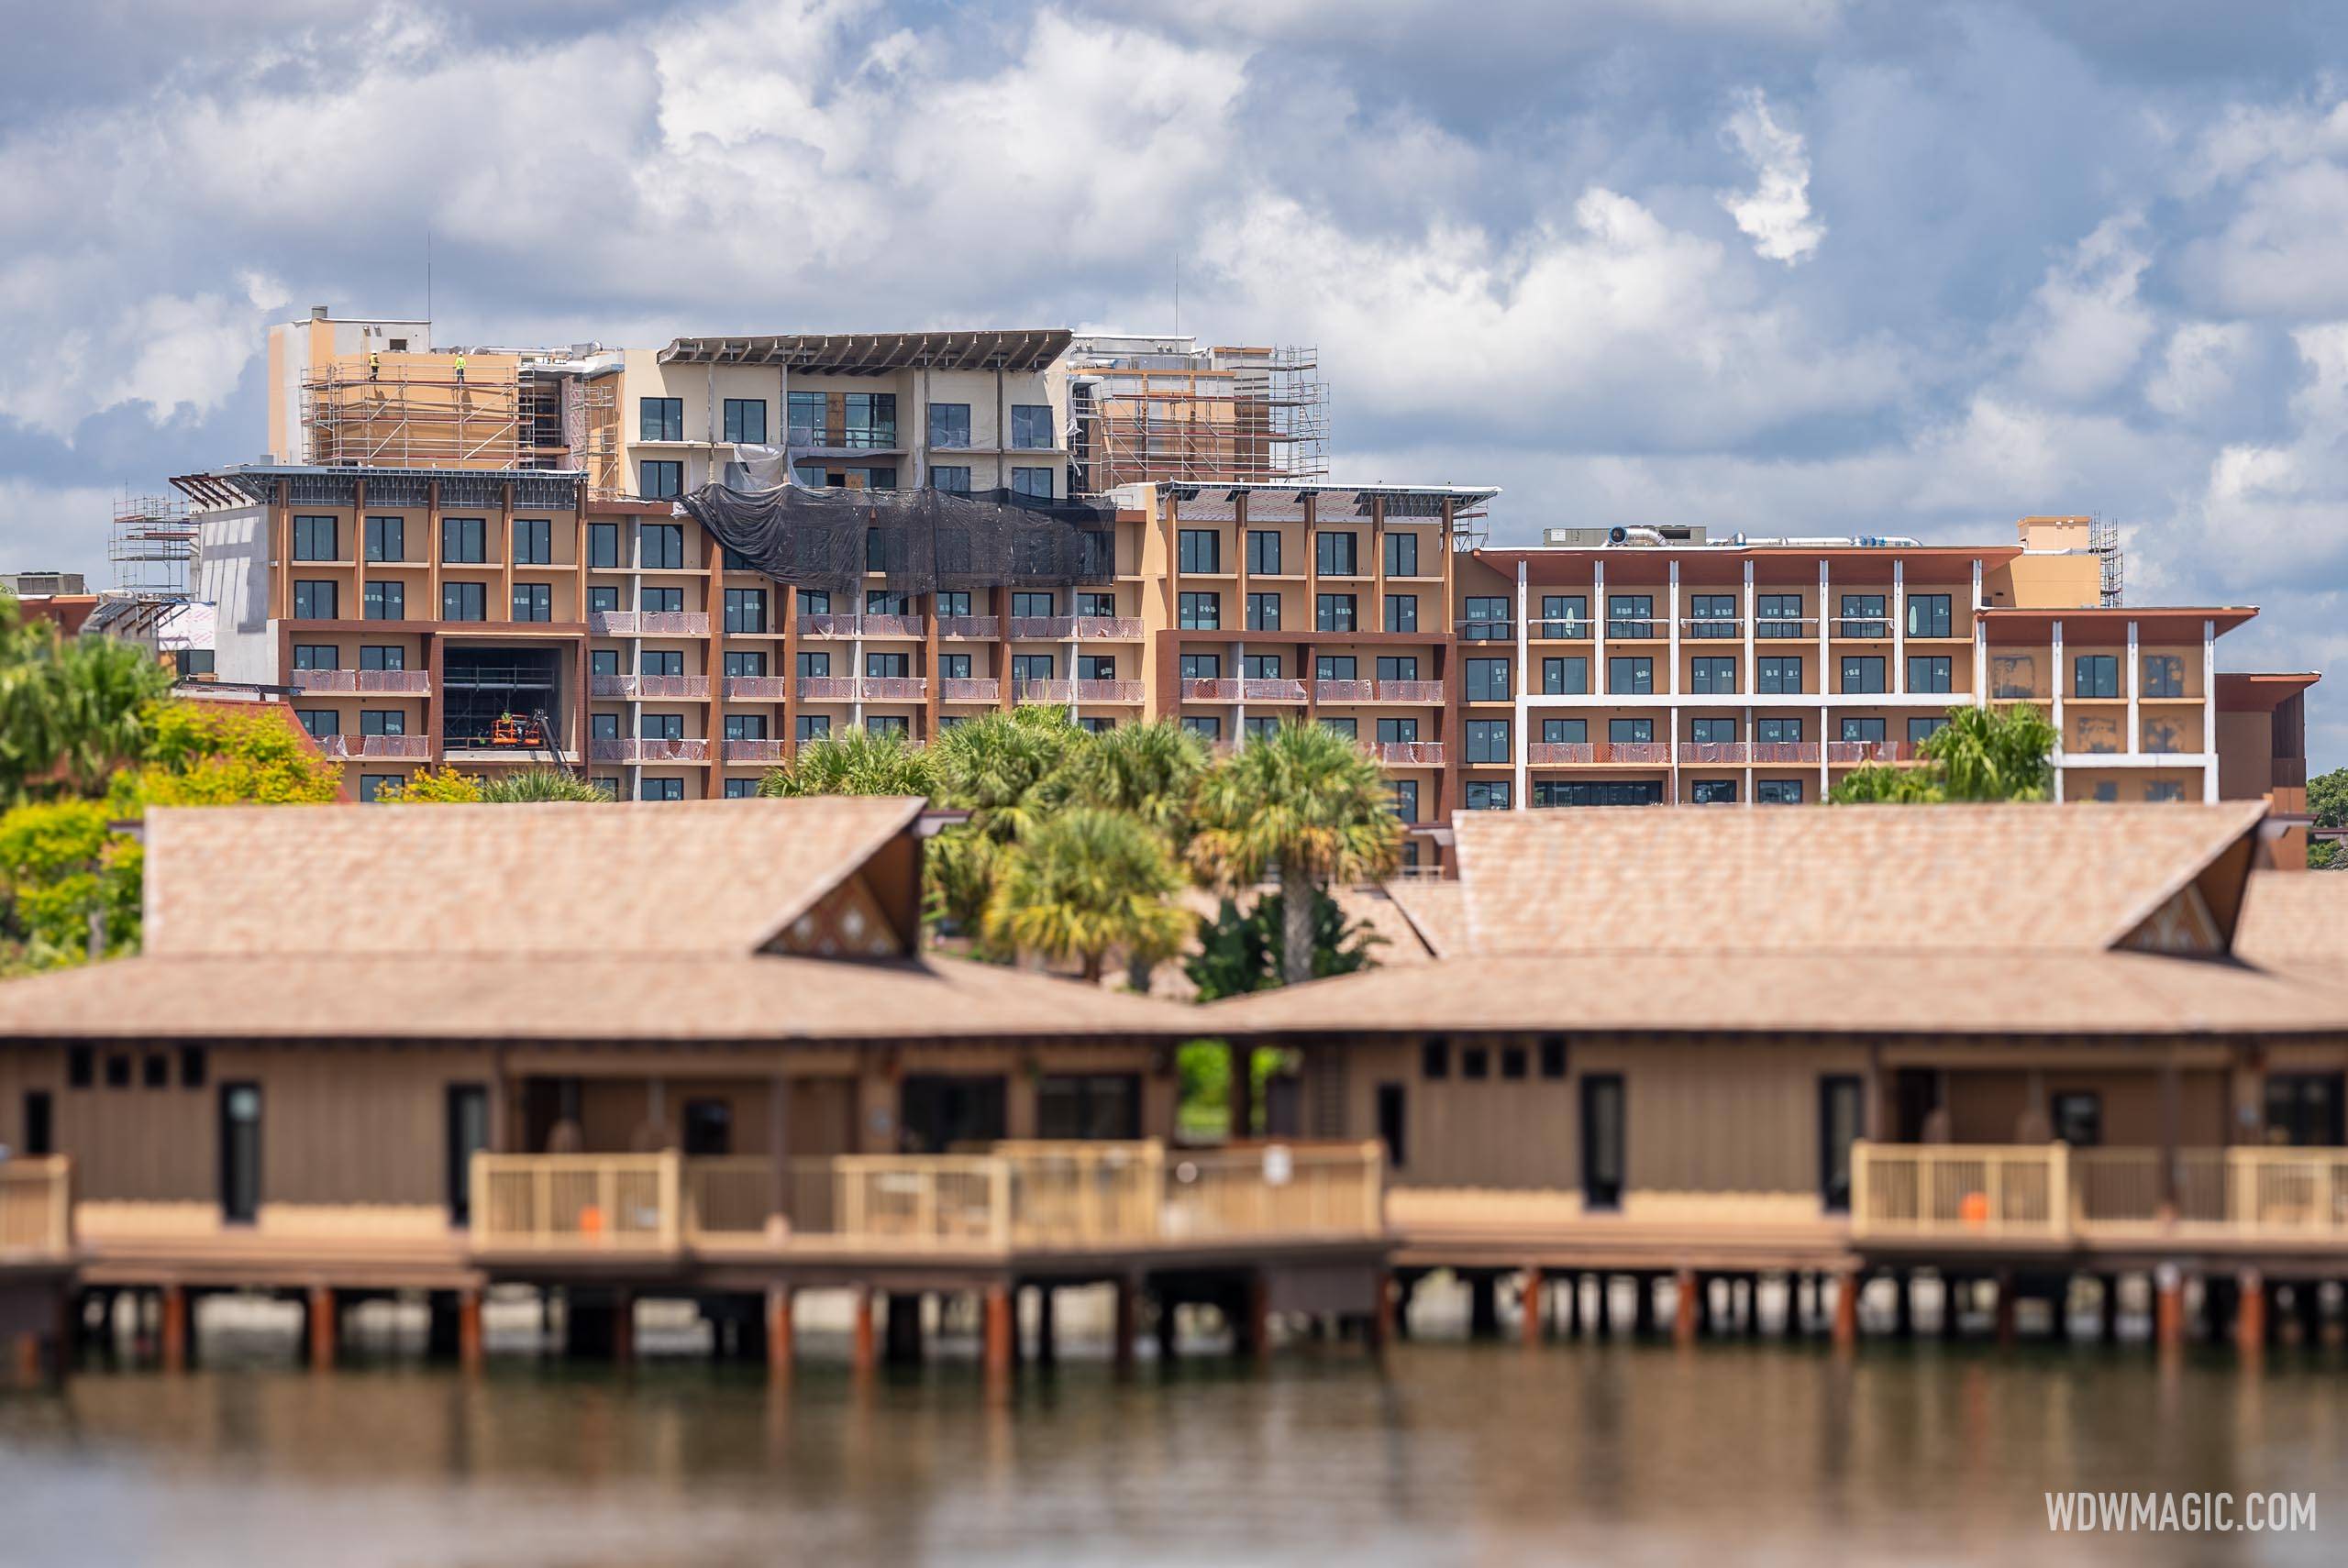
(36, 1207)
(2056, 1192)
(1014, 1194)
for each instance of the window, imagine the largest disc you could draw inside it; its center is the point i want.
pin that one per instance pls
(1629, 732)
(1487, 740)
(2105, 793)
(949, 426)
(464, 541)
(1263, 550)
(2304, 1109)
(1777, 730)
(320, 721)
(154, 1070)
(2096, 675)
(1031, 428)
(604, 545)
(1475, 1062)
(1257, 726)
(239, 1143)
(1841, 1121)
(811, 726)
(1398, 731)
(1565, 732)
(745, 726)
(374, 656)
(314, 600)
(662, 601)
(189, 662)
(386, 601)
(954, 665)
(1778, 615)
(1402, 796)
(1334, 666)
(954, 605)
(317, 656)
(313, 539)
(953, 477)
(80, 1067)
(1202, 667)
(533, 602)
(1434, 1059)
(808, 415)
(1929, 615)
(1488, 680)
(661, 546)
(660, 661)
(1487, 620)
(1564, 615)
(1263, 612)
(464, 601)
(1618, 792)
(2164, 676)
(1199, 549)
(386, 538)
(1602, 1137)
(1334, 554)
(1350, 728)
(1096, 551)
(886, 602)
(1712, 615)
(1206, 726)
(1333, 612)
(1035, 482)
(661, 790)
(382, 722)
(1862, 732)
(1780, 675)
(1713, 792)
(1566, 677)
(660, 419)
(2078, 1116)
(1260, 666)
(533, 541)
(1714, 674)
(1031, 666)
(603, 601)
(1487, 795)
(1402, 611)
(1630, 614)
(1087, 1106)
(1199, 611)
(1863, 674)
(660, 482)
(746, 609)
(741, 790)
(1402, 555)
(603, 662)
(1863, 616)
(1921, 730)
(1630, 676)
(1779, 792)
(1392, 667)
(814, 602)
(1930, 672)
(1712, 732)
(1096, 666)
(660, 727)
(745, 419)
(1552, 1056)
(1394, 1121)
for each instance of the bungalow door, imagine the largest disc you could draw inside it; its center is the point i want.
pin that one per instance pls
(241, 1152)
(1603, 1132)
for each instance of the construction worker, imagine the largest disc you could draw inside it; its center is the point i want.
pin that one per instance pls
(374, 365)
(461, 369)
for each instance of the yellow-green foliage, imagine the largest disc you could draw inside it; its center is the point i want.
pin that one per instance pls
(209, 754)
(58, 862)
(446, 787)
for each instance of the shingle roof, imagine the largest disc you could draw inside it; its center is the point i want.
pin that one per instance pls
(639, 997)
(2297, 922)
(1437, 911)
(700, 877)
(1878, 879)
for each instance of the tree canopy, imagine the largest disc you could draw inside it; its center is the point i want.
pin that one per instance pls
(1979, 754)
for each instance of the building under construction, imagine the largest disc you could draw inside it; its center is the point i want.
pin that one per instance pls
(1163, 409)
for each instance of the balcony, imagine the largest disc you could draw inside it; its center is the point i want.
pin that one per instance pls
(1108, 691)
(1785, 628)
(1042, 628)
(1783, 753)
(389, 682)
(1638, 629)
(758, 687)
(1272, 689)
(1410, 691)
(640, 688)
(1487, 631)
(1560, 754)
(647, 622)
(688, 749)
(1711, 628)
(827, 689)
(1714, 754)
(1345, 692)
(1408, 754)
(1210, 690)
(829, 625)
(1108, 626)
(1862, 628)
(1043, 688)
(844, 438)
(36, 1208)
(2053, 1193)
(1057, 1197)
(751, 750)
(893, 625)
(966, 688)
(894, 688)
(1598, 754)
(1563, 629)
(986, 627)
(402, 749)
(1852, 753)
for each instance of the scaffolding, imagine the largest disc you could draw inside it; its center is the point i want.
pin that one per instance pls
(2103, 539)
(151, 546)
(421, 411)
(1184, 414)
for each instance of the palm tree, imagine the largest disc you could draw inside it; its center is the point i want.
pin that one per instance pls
(1085, 882)
(999, 768)
(1149, 770)
(534, 784)
(854, 762)
(1993, 753)
(1307, 801)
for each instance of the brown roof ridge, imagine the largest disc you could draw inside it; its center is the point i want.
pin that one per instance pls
(867, 848)
(2247, 815)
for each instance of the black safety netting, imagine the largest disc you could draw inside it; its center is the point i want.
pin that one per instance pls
(920, 540)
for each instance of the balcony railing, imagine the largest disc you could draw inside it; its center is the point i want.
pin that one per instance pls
(1410, 691)
(1271, 688)
(1056, 1195)
(647, 622)
(967, 688)
(1487, 631)
(987, 626)
(1211, 690)
(1043, 688)
(1345, 692)
(1560, 754)
(1863, 628)
(827, 689)
(759, 750)
(405, 748)
(1711, 628)
(891, 625)
(1784, 753)
(1849, 753)
(1714, 754)
(829, 625)
(36, 1208)
(637, 688)
(1783, 628)
(1563, 628)
(1042, 628)
(1108, 626)
(1598, 754)
(844, 438)
(894, 688)
(655, 749)
(1108, 691)
(1638, 628)
(1408, 754)
(758, 687)
(390, 682)
(2053, 1192)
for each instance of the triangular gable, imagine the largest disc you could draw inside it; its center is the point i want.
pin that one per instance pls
(846, 923)
(2183, 927)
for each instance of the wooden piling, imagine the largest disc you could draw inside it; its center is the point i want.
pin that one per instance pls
(2168, 1316)
(2109, 1307)
(1381, 1310)
(1047, 1337)
(1529, 1308)
(781, 1333)
(1127, 1319)
(171, 1329)
(2005, 1303)
(1846, 1309)
(1685, 1284)
(472, 1347)
(2250, 1313)
(998, 1334)
(860, 1341)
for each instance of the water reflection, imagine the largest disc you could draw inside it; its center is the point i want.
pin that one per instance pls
(1764, 1452)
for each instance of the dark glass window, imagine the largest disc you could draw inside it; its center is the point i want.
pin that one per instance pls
(1335, 553)
(313, 539)
(464, 540)
(2096, 675)
(1263, 550)
(533, 541)
(660, 419)
(1488, 680)
(660, 482)
(745, 420)
(314, 599)
(1333, 612)
(1199, 549)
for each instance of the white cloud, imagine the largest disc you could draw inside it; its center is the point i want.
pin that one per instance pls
(2203, 370)
(2087, 326)
(1775, 212)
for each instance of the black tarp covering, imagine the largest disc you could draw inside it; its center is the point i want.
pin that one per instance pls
(922, 540)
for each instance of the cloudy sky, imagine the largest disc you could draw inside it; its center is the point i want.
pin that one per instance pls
(1796, 266)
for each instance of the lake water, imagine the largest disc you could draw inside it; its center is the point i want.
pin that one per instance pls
(1737, 1452)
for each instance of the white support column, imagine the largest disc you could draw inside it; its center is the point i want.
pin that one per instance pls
(1671, 712)
(1825, 744)
(1751, 678)
(1747, 796)
(2209, 711)
(2058, 711)
(1598, 682)
(1980, 661)
(1239, 713)
(1825, 679)
(1900, 628)
(1518, 741)
(2135, 670)
(1825, 626)
(1977, 605)
(635, 652)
